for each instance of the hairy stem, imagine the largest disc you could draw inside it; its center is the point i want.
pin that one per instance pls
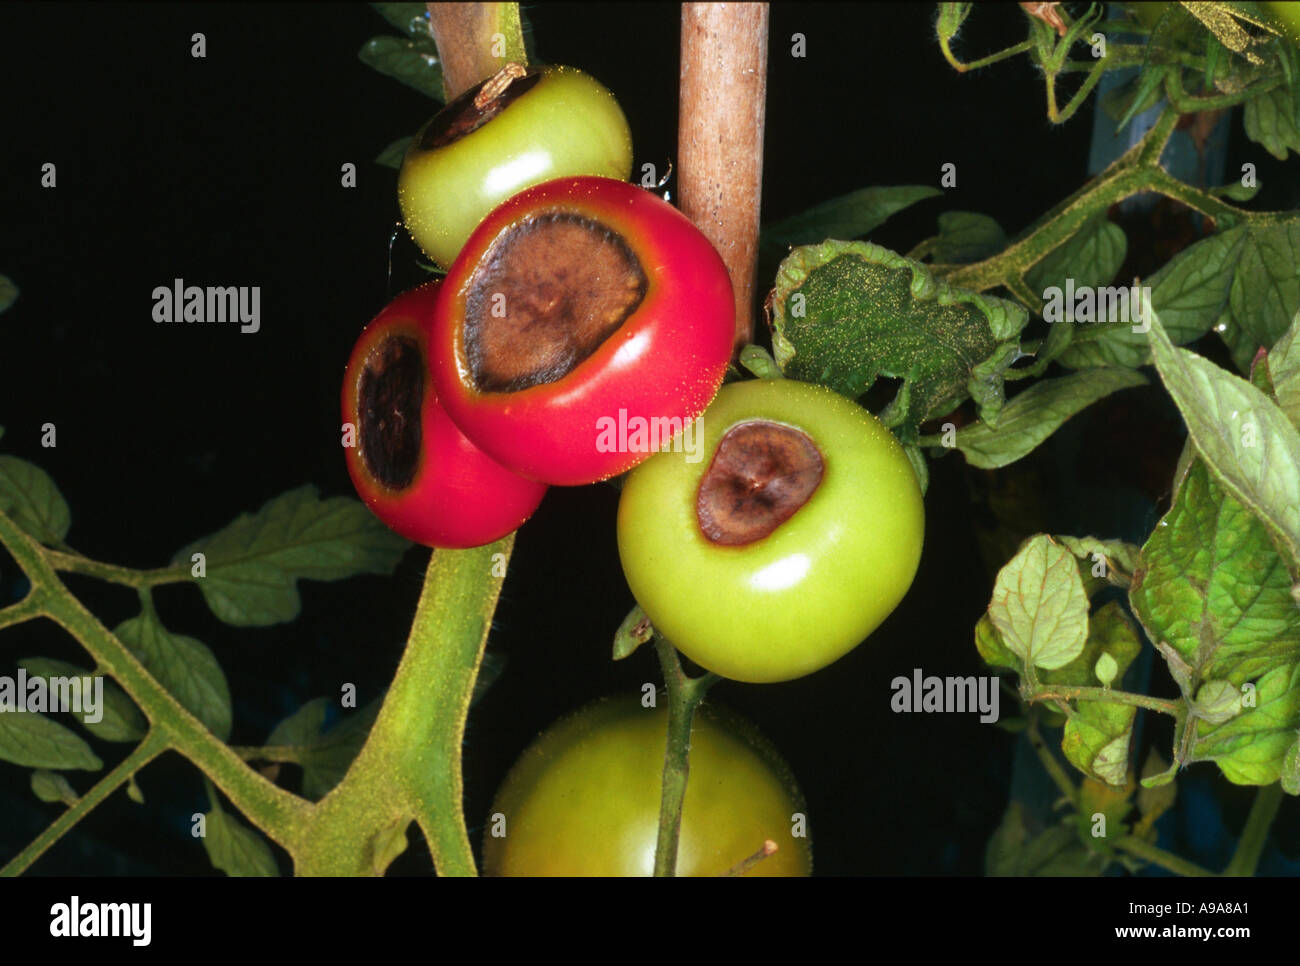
(1255, 833)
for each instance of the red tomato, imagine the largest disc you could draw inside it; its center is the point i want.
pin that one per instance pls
(413, 468)
(584, 324)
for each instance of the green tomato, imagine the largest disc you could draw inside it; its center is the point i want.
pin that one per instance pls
(479, 150)
(584, 799)
(783, 540)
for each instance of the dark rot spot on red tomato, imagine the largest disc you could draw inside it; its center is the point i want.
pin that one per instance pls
(391, 394)
(549, 291)
(761, 474)
(478, 105)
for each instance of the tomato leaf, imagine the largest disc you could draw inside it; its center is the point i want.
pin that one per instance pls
(1245, 439)
(1015, 849)
(1282, 367)
(252, 566)
(846, 313)
(1091, 257)
(967, 236)
(233, 847)
(120, 719)
(1251, 748)
(1272, 119)
(1034, 414)
(846, 217)
(413, 62)
(391, 156)
(1211, 585)
(50, 786)
(324, 754)
(1039, 605)
(182, 665)
(28, 494)
(1265, 293)
(31, 739)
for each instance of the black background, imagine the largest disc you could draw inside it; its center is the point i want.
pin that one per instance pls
(226, 171)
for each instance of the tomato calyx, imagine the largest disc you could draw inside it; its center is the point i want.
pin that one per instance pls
(551, 289)
(391, 393)
(761, 473)
(467, 113)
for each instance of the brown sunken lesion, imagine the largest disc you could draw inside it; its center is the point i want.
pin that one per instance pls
(471, 110)
(389, 400)
(551, 289)
(761, 474)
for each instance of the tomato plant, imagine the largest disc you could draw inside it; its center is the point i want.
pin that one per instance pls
(803, 517)
(584, 800)
(413, 468)
(836, 328)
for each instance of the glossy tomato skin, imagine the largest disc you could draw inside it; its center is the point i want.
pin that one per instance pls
(818, 584)
(665, 361)
(567, 124)
(583, 800)
(458, 497)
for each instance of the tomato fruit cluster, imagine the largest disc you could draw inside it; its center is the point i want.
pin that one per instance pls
(584, 800)
(573, 301)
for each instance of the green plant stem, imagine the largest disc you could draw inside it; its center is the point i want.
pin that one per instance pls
(1061, 692)
(1050, 764)
(70, 562)
(410, 767)
(148, 749)
(31, 606)
(274, 810)
(684, 696)
(1157, 856)
(1255, 833)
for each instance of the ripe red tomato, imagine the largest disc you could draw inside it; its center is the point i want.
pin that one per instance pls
(410, 464)
(584, 324)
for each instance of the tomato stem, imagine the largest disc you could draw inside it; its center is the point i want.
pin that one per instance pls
(684, 696)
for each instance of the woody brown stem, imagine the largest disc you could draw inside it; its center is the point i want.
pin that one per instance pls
(720, 136)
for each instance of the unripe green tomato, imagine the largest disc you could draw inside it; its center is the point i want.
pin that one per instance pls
(791, 532)
(553, 122)
(583, 800)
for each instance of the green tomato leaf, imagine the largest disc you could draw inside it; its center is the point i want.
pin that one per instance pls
(1015, 849)
(1039, 606)
(1251, 748)
(1032, 416)
(1211, 585)
(182, 665)
(8, 292)
(1111, 635)
(1271, 119)
(413, 62)
(325, 755)
(252, 566)
(50, 786)
(391, 156)
(846, 217)
(29, 738)
(234, 848)
(967, 236)
(1282, 369)
(411, 19)
(1091, 257)
(29, 496)
(1246, 440)
(120, 719)
(1189, 292)
(1216, 702)
(1265, 292)
(845, 313)
(1103, 558)
(991, 647)
(1158, 792)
